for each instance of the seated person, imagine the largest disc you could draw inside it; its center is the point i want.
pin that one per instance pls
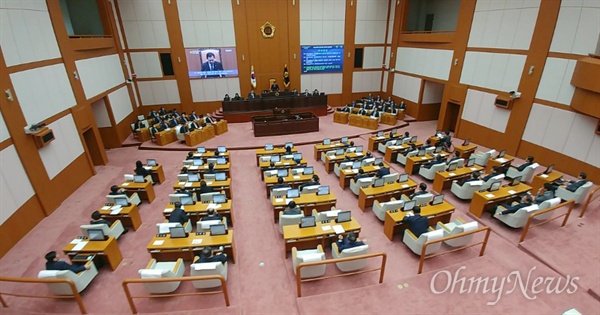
(138, 125)
(416, 223)
(194, 126)
(211, 169)
(280, 184)
(315, 92)
(496, 170)
(306, 93)
(359, 175)
(204, 188)
(183, 191)
(275, 86)
(347, 158)
(140, 170)
(439, 159)
(362, 111)
(288, 150)
(544, 193)
(178, 215)
(413, 148)
(427, 144)
(175, 113)
(521, 167)
(375, 114)
(422, 191)
(184, 170)
(207, 256)
(226, 98)
(208, 119)
(115, 190)
(455, 157)
(237, 97)
(314, 181)
(571, 185)
(190, 156)
(252, 95)
(350, 241)
(162, 111)
(402, 106)
(367, 156)
(526, 200)
(292, 208)
(97, 219)
(183, 129)
(172, 123)
(382, 170)
(212, 215)
(183, 119)
(345, 109)
(53, 263)
(474, 177)
(193, 115)
(406, 135)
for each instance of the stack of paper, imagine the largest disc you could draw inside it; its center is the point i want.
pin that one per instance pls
(80, 245)
(158, 242)
(338, 229)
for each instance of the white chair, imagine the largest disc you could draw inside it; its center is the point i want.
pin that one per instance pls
(429, 173)
(381, 147)
(265, 158)
(350, 252)
(182, 177)
(208, 269)
(526, 174)
(482, 158)
(204, 226)
(424, 199)
(115, 230)
(176, 197)
(210, 177)
(81, 279)
(390, 178)
(212, 161)
(207, 197)
(466, 191)
(279, 192)
(309, 255)
(325, 154)
(188, 162)
(310, 189)
(362, 182)
(270, 173)
(517, 219)
(490, 181)
(338, 166)
(459, 163)
(159, 270)
(416, 244)
(297, 171)
(134, 199)
(381, 208)
(402, 159)
(577, 195)
(406, 140)
(545, 205)
(180, 135)
(457, 227)
(288, 219)
(367, 162)
(325, 215)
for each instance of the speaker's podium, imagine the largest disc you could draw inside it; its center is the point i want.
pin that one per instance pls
(283, 122)
(282, 112)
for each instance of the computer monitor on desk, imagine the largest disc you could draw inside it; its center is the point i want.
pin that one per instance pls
(268, 146)
(413, 139)
(201, 149)
(151, 162)
(326, 141)
(379, 182)
(359, 149)
(96, 235)
(339, 151)
(471, 161)
(275, 158)
(219, 198)
(193, 177)
(356, 164)
(177, 232)
(452, 167)
(549, 169)
(293, 193)
(403, 178)
(186, 200)
(343, 216)
(297, 157)
(501, 154)
(197, 162)
(409, 205)
(309, 221)
(515, 181)
(221, 149)
(344, 140)
(378, 161)
(495, 186)
(288, 144)
(323, 190)
(467, 142)
(437, 199)
(164, 228)
(282, 172)
(421, 152)
(139, 178)
(218, 229)
(308, 170)
(380, 134)
(220, 176)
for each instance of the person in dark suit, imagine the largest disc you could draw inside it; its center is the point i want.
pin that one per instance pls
(163, 126)
(237, 97)
(275, 86)
(382, 170)
(346, 109)
(175, 113)
(454, 158)
(162, 111)
(212, 215)
(413, 148)
(172, 123)
(140, 170)
(496, 170)
(422, 191)
(521, 167)
(526, 200)
(416, 223)
(204, 188)
(474, 177)
(207, 256)
(252, 95)
(226, 98)
(211, 169)
(193, 126)
(362, 112)
(292, 208)
(438, 160)
(402, 106)
(193, 115)
(183, 191)
(53, 263)
(347, 158)
(314, 181)
(97, 219)
(115, 190)
(350, 241)
(212, 65)
(280, 184)
(574, 185)
(183, 129)
(178, 215)
(183, 119)
(208, 119)
(138, 125)
(544, 193)
(375, 114)
(154, 115)
(360, 174)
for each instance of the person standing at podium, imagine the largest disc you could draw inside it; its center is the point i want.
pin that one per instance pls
(274, 86)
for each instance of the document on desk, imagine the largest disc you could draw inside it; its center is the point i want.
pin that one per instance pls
(125, 184)
(158, 242)
(359, 154)
(544, 176)
(168, 210)
(404, 185)
(105, 208)
(209, 183)
(490, 195)
(148, 168)
(286, 163)
(80, 245)
(512, 192)
(338, 229)
(196, 241)
(451, 174)
(376, 167)
(296, 177)
(326, 227)
(188, 184)
(193, 167)
(355, 171)
(278, 200)
(501, 160)
(213, 206)
(75, 241)
(115, 210)
(473, 168)
(181, 183)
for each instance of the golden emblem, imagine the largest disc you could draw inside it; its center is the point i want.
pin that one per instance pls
(267, 30)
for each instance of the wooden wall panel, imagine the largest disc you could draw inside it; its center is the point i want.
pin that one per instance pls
(586, 102)
(20, 223)
(479, 134)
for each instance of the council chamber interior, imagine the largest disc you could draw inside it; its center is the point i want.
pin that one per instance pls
(364, 87)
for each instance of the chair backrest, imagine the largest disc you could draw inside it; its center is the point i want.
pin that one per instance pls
(207, 197)
(211, 160)
(330, 153)
(105, 229)
(210, 177)
(58, 288)
(365, 182)
(206, 269)
(111, 198)
(296, 171)
(390, 178)
(188, 162)
(288, 219)
(355, 264)
(393, 205)
(345, 165)
(175, 197)
(279, 192)
(310, 189)
(368, 161)
(545, 205)
(423, 199)
(309, 256)
(182, 177)
(412, 153)
(270, 173)
(204, 226)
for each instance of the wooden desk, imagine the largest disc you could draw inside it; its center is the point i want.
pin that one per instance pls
(466, 150)
(368, 195)
(282, 164)
(389, 119)
(275, 151)
(217, 167)
(483, 201)
(443, 180)
(217, 185)
(244, 110)
(199, 210)
(157, 173)
(391, 152)
(108, 250)
(393, 221)
(400, 115)
(411, 161)
(221, 127)
(502, 162)
(311, 237)
(363, 122)
(374, 141)
(540, 179)
(306, 202)
(331, 160)
(292, 180)
(346, 175)
(173, 248)
(144, 135)
(212, 154)
(193, 138)
(129, 216)
(340, 117)
(165, 137)
(144, 190)
(283, 125)
(319, 148)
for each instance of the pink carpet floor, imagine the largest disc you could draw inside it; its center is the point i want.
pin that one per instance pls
(262, 280)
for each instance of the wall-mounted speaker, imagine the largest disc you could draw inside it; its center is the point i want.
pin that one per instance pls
(43, 137)
(504, 102)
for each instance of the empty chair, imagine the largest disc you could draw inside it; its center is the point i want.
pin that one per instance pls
(310, 189)
(526, 174)
(367, 162)
(362, 182)
(457, 227)
(489, 182)
(466, 191)
(208, 269)
(180, 135)
(188, 162)
(279, 192)
(577, 195)
(325, 154)
(81, 279)
(288, 219)
(482, 158)
(173, 198)
(339, 166)
(423, 199)
(390, 178)
(402, 159)
(325, 215)
(429, 173)
(297, 171)
(159, 270)
(204, 226)
(381, 147)
(182, 177)
(207, 197)
(265, 158)
(406, 140)
(309, 255)
(115, 230)
(210, 177)
(416, 244)
(134, 199)
(518, 219)
(429, 150)
(270, 173)
(381, 208)
(545, 205)
(350, 252)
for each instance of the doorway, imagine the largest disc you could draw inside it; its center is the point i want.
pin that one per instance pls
(92, 145)
(451, 117)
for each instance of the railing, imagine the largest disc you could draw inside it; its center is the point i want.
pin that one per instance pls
(90, 36)
(69, 282)
(429, 32)
(299, 279)
(130, 297)
(588, 201)
(483, 243)
(528, 225)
